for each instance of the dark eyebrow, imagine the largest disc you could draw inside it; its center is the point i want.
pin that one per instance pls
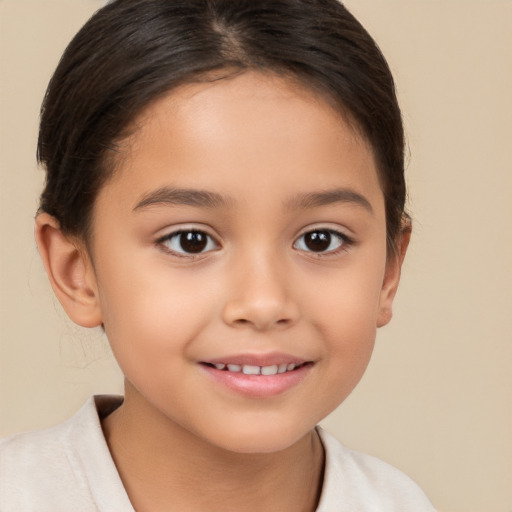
(327, 197)
(182, 196)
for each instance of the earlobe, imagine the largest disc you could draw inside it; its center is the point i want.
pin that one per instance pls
(70, 272)
(392, 274)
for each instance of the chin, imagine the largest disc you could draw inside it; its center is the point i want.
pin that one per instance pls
(263, 440)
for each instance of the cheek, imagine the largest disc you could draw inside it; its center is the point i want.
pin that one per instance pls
(349, 328)
(150, 312)
(346, 318)
(348, 299)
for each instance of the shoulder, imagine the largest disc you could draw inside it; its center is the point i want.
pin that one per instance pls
(354, 481)
(42, 464)
(57, 469)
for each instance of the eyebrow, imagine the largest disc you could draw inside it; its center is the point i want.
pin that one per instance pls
(328, 197)
(205, 199)
(182, 196)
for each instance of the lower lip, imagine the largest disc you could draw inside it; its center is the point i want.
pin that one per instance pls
(258, 386)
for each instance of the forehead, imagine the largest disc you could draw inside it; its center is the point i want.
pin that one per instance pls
(244, 131)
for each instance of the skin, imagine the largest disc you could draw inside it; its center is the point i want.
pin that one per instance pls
(261, 143)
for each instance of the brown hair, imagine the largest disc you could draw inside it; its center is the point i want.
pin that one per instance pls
(131, 52)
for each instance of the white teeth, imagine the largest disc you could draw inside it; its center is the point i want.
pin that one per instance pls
(248, 369)
(251, 370)
(269, 370)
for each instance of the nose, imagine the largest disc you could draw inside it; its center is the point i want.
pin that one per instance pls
(260, 296)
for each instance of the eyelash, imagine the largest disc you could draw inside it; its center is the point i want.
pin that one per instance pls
(210, 244)
(344, 242)
(209, 241)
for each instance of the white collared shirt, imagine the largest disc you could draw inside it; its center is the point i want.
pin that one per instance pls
(69, 468)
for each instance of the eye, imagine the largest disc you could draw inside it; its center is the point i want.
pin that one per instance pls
(190, 241)
(321, 241)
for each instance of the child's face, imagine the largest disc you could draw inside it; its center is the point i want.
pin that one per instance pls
(255, 177)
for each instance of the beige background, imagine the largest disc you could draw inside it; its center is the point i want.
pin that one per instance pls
(437, 398)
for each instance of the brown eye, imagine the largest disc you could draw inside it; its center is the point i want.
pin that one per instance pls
(317, 241)
(320, 240)
(193, 241)
(189, 242)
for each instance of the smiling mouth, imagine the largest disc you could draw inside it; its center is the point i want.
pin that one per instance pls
(248, 369)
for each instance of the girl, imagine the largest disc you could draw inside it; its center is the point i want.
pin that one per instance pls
(225, 197)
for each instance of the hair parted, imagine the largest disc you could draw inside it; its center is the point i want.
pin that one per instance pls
(131, 52)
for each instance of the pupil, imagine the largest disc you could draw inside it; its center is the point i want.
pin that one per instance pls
(317, 241)
(193, 241)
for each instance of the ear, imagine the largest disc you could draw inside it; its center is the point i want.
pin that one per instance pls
(70, 272)
(392, 274)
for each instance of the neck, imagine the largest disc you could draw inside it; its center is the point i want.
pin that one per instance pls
(159, 463)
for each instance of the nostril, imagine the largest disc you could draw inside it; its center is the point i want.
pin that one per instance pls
(258, 313)
(280, 322)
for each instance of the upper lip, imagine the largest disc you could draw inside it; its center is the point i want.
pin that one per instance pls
(270, 359)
